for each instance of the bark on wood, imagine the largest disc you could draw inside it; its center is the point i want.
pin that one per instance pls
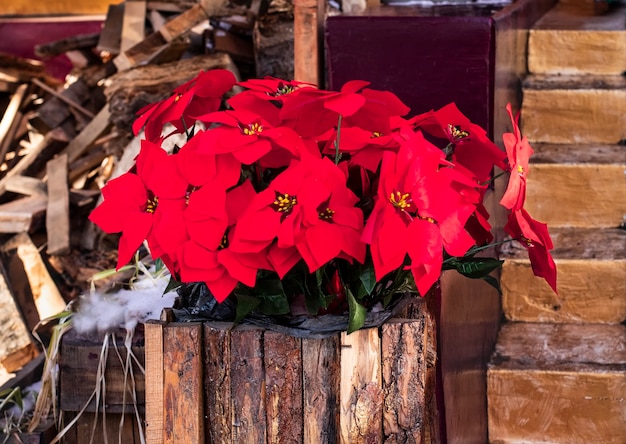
(274, 45)
(182, 23)
(248, 385)
(79, 358)
(217, 383)
(54, 111)
(404, 349)
(153, 332)
(321, 376)
(182, 359)
(58, 210)
(283, 388)
(361, 395)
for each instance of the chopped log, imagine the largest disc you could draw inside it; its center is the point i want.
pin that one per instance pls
(78, 361)
(47, 141)
(11, 119)
(247, 385)
(26, 214)
(321, 376)
(153, 332)
(30, 278)
(182, 360)
(59, 47)
(88, 135)
(274, 45)
(133, 24)
(58, 210)
(111, 34)
(182, 23)
(217, 383)
(65, 99)
(404, 349)
(361, 396)
(16, 345)
(283, 387)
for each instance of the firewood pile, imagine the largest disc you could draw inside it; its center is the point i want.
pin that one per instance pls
(61, 140)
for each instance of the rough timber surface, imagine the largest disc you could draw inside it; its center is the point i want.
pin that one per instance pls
(559, 384)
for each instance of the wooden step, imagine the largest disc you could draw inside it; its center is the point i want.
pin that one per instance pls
(558, 383)
(591, 265)
(568, 41)
(574, 109)
(577, 185)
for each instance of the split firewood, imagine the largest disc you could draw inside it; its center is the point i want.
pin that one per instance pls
(111, 34)
(133, 24)
(58, 208)
(59, 47)
(9, 122)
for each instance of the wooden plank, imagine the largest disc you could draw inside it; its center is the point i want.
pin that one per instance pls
(16, 345)
(558, 383)
(182, 23)
(360, 393)
(247, 385)
(111, 34)
(79, 359)
(182, 361)
(58, 211)
(88, 135)
(217, 382)
(29, 186)
(404, 370)
(108, 428)
(574, 109)
(133, 24)
(153, 332)
(283, 388)
(590, 291)
(23, 215)
(321, 376)
(306, 41)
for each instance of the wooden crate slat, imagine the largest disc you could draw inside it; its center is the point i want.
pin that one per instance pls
(153, 332)
(217, 383)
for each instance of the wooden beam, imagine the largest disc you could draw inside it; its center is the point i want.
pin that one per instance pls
(133, 24)
(58, 211)
(182, 361)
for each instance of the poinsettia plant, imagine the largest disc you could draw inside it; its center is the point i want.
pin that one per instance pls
(284, 191)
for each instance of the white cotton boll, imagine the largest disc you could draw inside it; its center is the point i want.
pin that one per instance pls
(105, 313)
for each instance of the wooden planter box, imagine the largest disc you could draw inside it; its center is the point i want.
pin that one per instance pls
(209, 382)
(78, 366)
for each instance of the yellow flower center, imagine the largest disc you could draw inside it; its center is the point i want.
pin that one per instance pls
(284, 203)
(177, 98)
(152, 204)
(520, 170)
(401, 201)
(376, 134)
(253, 129)
(457, 132)
(327, 214)
(224, 242)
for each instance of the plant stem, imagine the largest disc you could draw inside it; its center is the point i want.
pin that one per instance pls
(337, 154)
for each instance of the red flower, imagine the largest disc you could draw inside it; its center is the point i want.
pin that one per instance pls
(534, 236)
(134, 203)
(200, 95)
(518, 152)
(472, 148)
(310, 212)
(421, 209)
(220, 267)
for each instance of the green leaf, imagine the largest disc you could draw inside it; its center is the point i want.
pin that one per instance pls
(245, 304)
(357, 314)
(476, 268)
(172, 285)
(493, 282)
(368, 278)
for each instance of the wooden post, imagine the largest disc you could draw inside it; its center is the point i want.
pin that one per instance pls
(283, 387)
(306, 38)
(218, 401)
(183, 399)
(247, 385)
(321, 376)
(361, 396)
